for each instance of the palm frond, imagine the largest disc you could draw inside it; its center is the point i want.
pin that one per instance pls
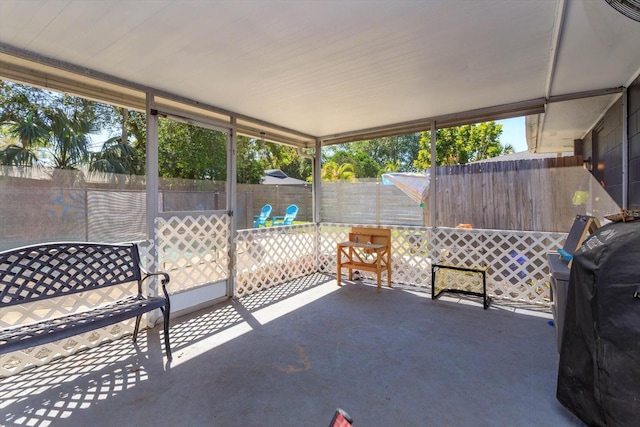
(15, 155)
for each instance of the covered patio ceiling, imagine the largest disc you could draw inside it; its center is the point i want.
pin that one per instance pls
(336, 71)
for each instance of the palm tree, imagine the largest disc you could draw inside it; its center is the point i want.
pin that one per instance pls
(331, 171)
(63, 135)
(69, 138)
(30, 132)
(115, 157)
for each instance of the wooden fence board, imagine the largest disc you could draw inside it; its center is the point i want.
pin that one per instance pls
(532, 195)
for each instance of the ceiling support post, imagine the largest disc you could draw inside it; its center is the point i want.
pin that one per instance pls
(434, 181)
(316, 187)
(625, 150)
(152, 169)
(232, 201)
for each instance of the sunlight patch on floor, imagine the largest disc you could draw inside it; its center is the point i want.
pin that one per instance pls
(272, 312)
(196, 349)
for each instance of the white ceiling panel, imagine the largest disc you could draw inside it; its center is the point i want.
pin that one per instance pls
(332, 67)
(599, 48)
(564, 122)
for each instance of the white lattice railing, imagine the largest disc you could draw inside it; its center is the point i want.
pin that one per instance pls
(194, 250)
(269, 256)
(516, 259)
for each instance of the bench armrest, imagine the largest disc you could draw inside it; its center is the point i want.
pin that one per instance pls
(163, 281)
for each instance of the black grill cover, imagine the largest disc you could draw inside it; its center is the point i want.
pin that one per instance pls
(599, 371)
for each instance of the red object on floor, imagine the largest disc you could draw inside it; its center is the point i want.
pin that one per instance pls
(341, 419)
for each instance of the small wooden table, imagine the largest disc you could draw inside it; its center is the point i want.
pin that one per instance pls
(368, 250)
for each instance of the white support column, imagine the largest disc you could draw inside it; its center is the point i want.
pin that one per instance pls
(317, 179)
(232, 189)
(152, 170)
(625, 151)
(152, 194)
(434, 181)
(316, 193)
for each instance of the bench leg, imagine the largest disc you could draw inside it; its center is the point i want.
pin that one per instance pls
(165, 315)
(167, 346)
(137, 328)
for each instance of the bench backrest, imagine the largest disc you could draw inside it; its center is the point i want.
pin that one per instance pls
(379, 236)
(51, 270)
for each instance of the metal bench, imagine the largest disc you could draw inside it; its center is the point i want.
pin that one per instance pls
(35, 273)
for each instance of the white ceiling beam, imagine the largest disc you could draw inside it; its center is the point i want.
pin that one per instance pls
(497, 112)
(65, 77)
(556, 38)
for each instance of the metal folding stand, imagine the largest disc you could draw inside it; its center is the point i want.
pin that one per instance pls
(486, 301)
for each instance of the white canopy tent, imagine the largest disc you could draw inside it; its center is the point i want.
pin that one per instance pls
(414, 185)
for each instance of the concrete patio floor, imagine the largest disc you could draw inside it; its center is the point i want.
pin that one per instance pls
(290, 355)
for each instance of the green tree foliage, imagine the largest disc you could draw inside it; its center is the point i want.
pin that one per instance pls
(371, 158)
(364, 166)
(286, 159)
(332, 171)
(399, 150)
(69, 138)
(17, 101)
(297, 167)
(249, 162)
(116, 157)
(255, 156)
(38, 121)
(187, 151)
(462, 144)
(29, 132)
(137, 129)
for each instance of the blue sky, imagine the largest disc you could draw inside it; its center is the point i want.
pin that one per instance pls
(513, 133)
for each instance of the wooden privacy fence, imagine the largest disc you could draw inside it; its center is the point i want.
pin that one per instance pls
(368, 201)
(38, 210)
(535, 195)
(279, 197)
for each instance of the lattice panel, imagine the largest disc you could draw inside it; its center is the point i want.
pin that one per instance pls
(329, 236)
(467, 281)
(146, 249)
(270, 256)
(12, 363)
(194, 251)
(409, 256)
(410, 263)
(516, 259)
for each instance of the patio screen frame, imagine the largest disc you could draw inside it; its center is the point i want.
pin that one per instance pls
(154, 111)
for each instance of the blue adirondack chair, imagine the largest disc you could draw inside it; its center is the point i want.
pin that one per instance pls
(287, 219)
(261, 220)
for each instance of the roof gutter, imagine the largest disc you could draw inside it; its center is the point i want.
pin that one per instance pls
(498, 112)
(551, 71)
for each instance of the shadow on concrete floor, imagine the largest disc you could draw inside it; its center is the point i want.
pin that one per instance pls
(292, 354)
